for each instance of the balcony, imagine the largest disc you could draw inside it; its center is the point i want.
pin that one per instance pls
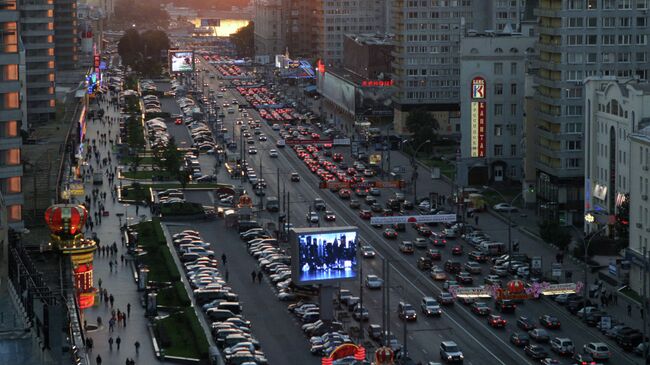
(547, 12)
(553, 48)
(10, 171)
(10, 142)
(549, 30)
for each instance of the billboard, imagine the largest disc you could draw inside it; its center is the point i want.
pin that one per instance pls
(181, 61)
(323, 254)
(478, 115)
(210, 22)
(398, 219)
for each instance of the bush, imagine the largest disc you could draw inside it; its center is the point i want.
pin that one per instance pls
(552, 232)
(185, 208)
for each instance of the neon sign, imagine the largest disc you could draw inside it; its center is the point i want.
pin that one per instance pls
(377, 83)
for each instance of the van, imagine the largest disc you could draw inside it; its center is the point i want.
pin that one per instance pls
(272, 204)
(234, 307)
(492, 248)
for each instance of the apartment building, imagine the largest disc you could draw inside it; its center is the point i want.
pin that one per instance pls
(577, 39)
(66, 37)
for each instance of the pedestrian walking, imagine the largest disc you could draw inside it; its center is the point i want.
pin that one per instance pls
(99, 282)
(259, 276)
(111, 324)
(89, 344)
(253, 275)
(137, 347)
(122, 259)
(110, 264)
(98, 360)
(223, 258)
(476, 219)
(629, 310)
(111, 299)
(128, 309)
(110, 343)
(99, 321)
(118, 341)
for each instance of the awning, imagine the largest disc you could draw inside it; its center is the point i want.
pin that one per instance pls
(310, 88)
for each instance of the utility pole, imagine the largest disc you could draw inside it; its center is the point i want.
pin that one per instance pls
(387, 303)
(278, 180)
(383, 304)
(359, 259)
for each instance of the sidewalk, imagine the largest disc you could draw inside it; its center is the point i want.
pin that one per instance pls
(119, 281)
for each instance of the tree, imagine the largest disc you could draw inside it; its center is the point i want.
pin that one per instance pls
(173, 158)
(184, 177)
(622, 225)
(423, 127)
(141, 51)
(552, 232)
(154, 41)
(243, 40)
(129, 47)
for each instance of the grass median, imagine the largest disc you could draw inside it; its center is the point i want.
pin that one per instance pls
(180, 335)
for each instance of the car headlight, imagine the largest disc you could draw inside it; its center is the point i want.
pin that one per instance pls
(449, 357)
(461, 356)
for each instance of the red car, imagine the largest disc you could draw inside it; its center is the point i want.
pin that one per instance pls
(366, 214)
(496, 321)
(457, 250)
(337, 157)
(434, 254)
(390, 233)
(424, 231)
(549, 321)
(437, 240)
(345, 193)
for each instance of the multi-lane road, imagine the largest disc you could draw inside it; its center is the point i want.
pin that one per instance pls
(479, 342)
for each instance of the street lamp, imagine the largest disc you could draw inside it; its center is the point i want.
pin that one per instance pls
(509, 218)
(586, 244)
(414, 165)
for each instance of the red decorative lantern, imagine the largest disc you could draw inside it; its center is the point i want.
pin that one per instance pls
(384, 356)
(327, 361)
(66, 219)
(516, 286)
(360, 353)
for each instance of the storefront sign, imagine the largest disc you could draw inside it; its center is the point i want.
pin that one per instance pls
(478, 292)
(434, 218)
(374, 159)
(478, 88)
(377, 83)
(478, 117)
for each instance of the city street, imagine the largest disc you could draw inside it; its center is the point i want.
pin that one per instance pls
(475, 337)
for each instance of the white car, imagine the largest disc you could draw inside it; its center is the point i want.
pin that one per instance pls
(273, 153)
(597, 350)
(312, 217)
(503, 207)
(374, 282)
(368, 251)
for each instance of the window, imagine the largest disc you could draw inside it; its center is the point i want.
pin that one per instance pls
(513, 150)
(574, 58)
(591, 39)
(592, 4)
(624, 22)
(498, 109)
(592, 57)
(498, 68)
(11, 100)
(513, 68)
(10, 72)
(573, 110)
(641, 57)
(609, 22)
(513, 89)
(498, 89)
(14, 213)
(574, 39)
(498, 150)
(513, 109)
(12, 185)
(574, 145)
(573, 128)
(592, 22)
(11, 157)
(572, 162)
(575, 23)
(574, 93)
(9, 129)
(640, 22)
(498, 130)
(513, 129)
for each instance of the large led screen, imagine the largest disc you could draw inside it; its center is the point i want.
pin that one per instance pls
(181, 61)
(324, 254)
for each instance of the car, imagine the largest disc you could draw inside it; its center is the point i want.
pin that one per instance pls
(360, 313)
(549, 361)
(477, 256)
(273, 153)
(420, 242)
(390, 233)
(505, 305)
(368, 252)
(330, 216)
(583, 359)
(374, 192)
(437, 240)
(295, 177)
(262, 138)
(492, 280)
(345, 193)
(445, 298)
(525, 323)
(406, 312)
(457, 250)
(519, 339)
(549, 321)
(374, 331)
(424, 263)
(496, 321)
(312, 217)
(355, 204)
(535, 351)
(539, 335)
(464, 277)
(438, 274)
(597, 350)
(434, 254)
(374, 282)
(366, 215)
(472, 267)
(252, 151)
(430, 307)
(504, 207)
(480, 308)
(450, 352)
(406, 247)
(562, 345)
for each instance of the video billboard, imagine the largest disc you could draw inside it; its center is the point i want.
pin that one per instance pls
(324, 254)
(181, 61)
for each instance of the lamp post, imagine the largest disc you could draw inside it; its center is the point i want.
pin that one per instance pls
(509, 218)
(414, 165)
(586, 243)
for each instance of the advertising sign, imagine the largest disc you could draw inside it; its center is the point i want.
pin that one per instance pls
(374, 159)
(181, 61)
(323, 254)
(392, 184)
(294, 141)
(435, 218)
(463, 292)
(478, 115)
(341, 141)
(478, 88)
(605, 322)
(210, 22)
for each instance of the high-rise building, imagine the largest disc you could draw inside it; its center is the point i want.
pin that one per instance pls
(65, 34)
(11, 114)
(270, 37)
(338, 18)
(577, 39)
(492, 88)
(37, 34)
(427, 65)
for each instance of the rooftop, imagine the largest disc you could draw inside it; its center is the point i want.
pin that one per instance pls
(373, 38)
